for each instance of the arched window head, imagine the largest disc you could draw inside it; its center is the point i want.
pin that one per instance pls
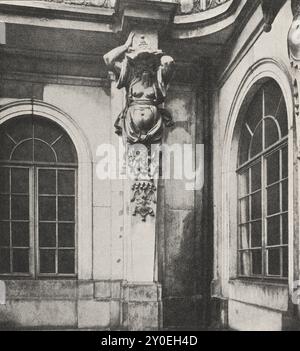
(263, 186)
(34, 139)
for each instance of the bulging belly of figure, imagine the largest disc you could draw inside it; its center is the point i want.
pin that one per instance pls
(144, 117)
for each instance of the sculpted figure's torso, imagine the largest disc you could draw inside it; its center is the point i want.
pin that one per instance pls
(144, 73)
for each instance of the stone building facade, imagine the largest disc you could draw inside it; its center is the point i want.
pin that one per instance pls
(224, 254)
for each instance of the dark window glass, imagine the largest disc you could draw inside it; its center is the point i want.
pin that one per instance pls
(256, 145)
(273, 168)
(273, 231)
(66, 183)
(256, 206)
(47, 181)
(66, 235)
(4, 234)
(256, 177)
(24, 152)
(20, 234)
(65, 150)
(66, 209)
(256, 262)
(21, 261)
(4, 207)
(20, 180)
(274, 261)
(66, 261)
(47, 261)
(47, 208)
(6, 146)
(4, 261)
(4, 180)
(271, 132)
(43, 152)
(20, 207)
(47, 234)
(285, 229)
(273, 199)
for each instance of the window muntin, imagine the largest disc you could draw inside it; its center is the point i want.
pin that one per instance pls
(38, 165)
(263, 187)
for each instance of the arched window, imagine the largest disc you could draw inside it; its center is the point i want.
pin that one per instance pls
(263, 186)
(38, 165)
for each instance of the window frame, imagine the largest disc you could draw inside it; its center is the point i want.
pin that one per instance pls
(33, 167)
(262, 158)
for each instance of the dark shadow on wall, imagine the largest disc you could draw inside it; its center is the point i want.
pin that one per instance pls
(182, 299)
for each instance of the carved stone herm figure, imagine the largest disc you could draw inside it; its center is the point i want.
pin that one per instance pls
(145, 74)
(294, 36)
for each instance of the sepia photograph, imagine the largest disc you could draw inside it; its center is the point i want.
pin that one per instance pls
(149, 158)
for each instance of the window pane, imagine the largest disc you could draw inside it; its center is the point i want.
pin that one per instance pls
(4, 207)
(273, 168)
(43, 153)
(271, 132)
(20, 207)
(4, 261)
(4, 180)
(273, 231)
(256, 146)
(46, 130)
(273, 98)
(20, 234)
(20, 128)
(47, 208)
(274, 261)
(21, 261)
(24, 152)
(47, 182)
(256, 234)
(256, 177)
(285, 229)
(66, 209)
(4, 234)
(255, 111)
(285, 261)
(245, 141)
(20, 180)
(273, 199)
(245, 263)
(284, 162)
(285, 193)
(66, 235)
(66, 182)
(6, 147)
(47, 261)
(65, 150)
(47, 234)
(256, 206)
(257, 262)
(66, 261)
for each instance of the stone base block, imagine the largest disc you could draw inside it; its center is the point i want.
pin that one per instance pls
(142, 307)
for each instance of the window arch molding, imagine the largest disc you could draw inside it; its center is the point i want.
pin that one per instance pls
(44, 110)
(256, 75)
